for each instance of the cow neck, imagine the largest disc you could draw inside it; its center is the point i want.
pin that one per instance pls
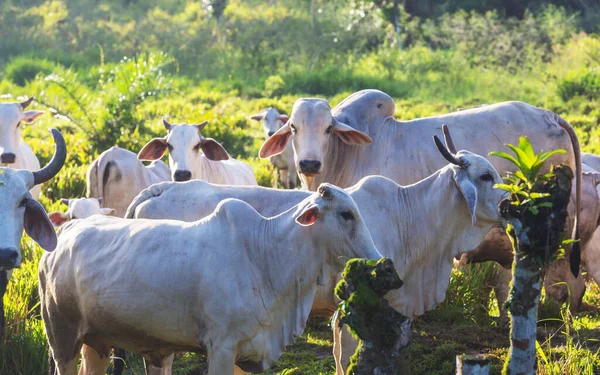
(428, 240)
(289, 264)
(209, 170)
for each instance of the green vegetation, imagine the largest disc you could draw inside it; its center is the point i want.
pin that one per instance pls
(107, 72)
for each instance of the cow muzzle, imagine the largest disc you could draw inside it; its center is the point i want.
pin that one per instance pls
(180, 175)
(7, 158)
(8, 258)
(309, 167)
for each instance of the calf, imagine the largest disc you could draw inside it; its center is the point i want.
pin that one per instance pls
(235, 285)
(272, 121)
(213, 164)
(79, 208)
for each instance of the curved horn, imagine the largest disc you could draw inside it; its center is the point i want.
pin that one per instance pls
(448, 139)
(166, 124)
(445, 153)
(26, 102)
(201, 125)
(64, 201)
(57, 161)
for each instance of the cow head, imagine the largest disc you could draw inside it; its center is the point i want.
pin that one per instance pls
(12, 115)
(20, 211)
(475, 178)
(79, 208)
(311, 127)
(344, 233)
(271, 120)
(184, 143)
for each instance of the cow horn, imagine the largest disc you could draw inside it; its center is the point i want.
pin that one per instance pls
(166, 124)
(57, 161)
(448, 139)
(201, 125)
(26, 102)
(446, 154)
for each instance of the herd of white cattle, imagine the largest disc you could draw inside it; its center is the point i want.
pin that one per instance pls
(201, 259)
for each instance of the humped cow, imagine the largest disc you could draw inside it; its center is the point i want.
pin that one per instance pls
(235, 285)
(14, 152)
(117, 176)
(213, 164)
(272, 121)
(79, 208)
(325, 140)
(421, 227)
(21, 211)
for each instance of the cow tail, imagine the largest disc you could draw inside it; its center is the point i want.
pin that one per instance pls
(575, 255)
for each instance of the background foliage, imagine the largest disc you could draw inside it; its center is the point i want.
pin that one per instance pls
(108, 71)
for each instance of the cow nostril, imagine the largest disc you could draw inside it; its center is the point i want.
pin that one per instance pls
(310, 166)
(7, 158)
(182, 175)
(8, 257)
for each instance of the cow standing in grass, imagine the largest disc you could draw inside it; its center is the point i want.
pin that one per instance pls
(191, 156)
(21, 211)
(272, 121)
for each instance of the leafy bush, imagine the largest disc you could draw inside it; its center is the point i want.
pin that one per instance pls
(22, 69)
(585, 82)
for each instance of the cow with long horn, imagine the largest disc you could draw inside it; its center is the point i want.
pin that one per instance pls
(20, 210)
(15, 153)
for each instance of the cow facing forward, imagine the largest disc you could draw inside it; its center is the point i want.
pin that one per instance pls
(235, 285)
(213, 164)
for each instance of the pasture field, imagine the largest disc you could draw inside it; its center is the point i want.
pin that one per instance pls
(106, 72)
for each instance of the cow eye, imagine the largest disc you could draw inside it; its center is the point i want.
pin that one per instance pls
(347, 215)
(18, 124)
(487, 177)
(328, 130)
(294, 130)
(197, 147)
(169, 146)
(23, 202)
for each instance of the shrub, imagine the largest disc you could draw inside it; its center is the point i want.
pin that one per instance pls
(585, 82)
(23, 69)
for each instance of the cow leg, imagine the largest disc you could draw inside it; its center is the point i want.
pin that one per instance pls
(343, 348)
(501, 289)
(92, 363)
(284, 177)
(221, 361)
(67, 368)
(561, 286)
(3, 285)
(118, 361)
(166, 369)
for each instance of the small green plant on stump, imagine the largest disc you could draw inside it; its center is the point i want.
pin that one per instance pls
(384, 333)
(536, 212)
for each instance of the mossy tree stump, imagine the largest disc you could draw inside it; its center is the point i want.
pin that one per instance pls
(537, 235)
(384, 333)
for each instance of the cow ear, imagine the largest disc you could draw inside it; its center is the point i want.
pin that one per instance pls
(349, 135)
(467, 189)
(108, 211)
(153, 150)
(284, 118)
(308, 216)
(213, 150)
(30, 116)
(277, 143)
(58, 218)
(38, 226)
(257, 116)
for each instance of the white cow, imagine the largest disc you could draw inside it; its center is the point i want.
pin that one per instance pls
(20, 210)
(79, 208)
(213, 164)
(325, 140)
(15, 153)
(118, 176)
(272, 121)
(235, 285)
(421, 227)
